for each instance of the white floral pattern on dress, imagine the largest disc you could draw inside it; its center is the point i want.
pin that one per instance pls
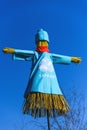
(46, 65)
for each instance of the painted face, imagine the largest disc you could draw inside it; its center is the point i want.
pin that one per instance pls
(42, 43)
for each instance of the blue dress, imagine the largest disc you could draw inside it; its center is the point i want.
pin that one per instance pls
(43, 83)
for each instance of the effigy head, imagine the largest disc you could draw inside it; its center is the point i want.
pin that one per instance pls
(41, 38)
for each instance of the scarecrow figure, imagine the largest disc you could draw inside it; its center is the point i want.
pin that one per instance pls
(43, 93)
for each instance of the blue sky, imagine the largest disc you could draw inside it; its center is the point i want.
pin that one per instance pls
(66, 24)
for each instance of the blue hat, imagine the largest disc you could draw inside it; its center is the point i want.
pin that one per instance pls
(41, 36)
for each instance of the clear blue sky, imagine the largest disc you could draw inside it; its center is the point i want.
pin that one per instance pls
(66, 23)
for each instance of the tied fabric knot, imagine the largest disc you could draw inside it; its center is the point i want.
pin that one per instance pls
(42, 49)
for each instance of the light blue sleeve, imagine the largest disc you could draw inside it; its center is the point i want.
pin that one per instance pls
(61, 59)
(23, 54)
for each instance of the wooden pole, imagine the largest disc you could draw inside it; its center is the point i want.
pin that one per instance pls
(48, 120)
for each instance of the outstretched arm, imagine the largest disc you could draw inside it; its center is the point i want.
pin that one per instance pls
(19, 54)
(61, 59)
